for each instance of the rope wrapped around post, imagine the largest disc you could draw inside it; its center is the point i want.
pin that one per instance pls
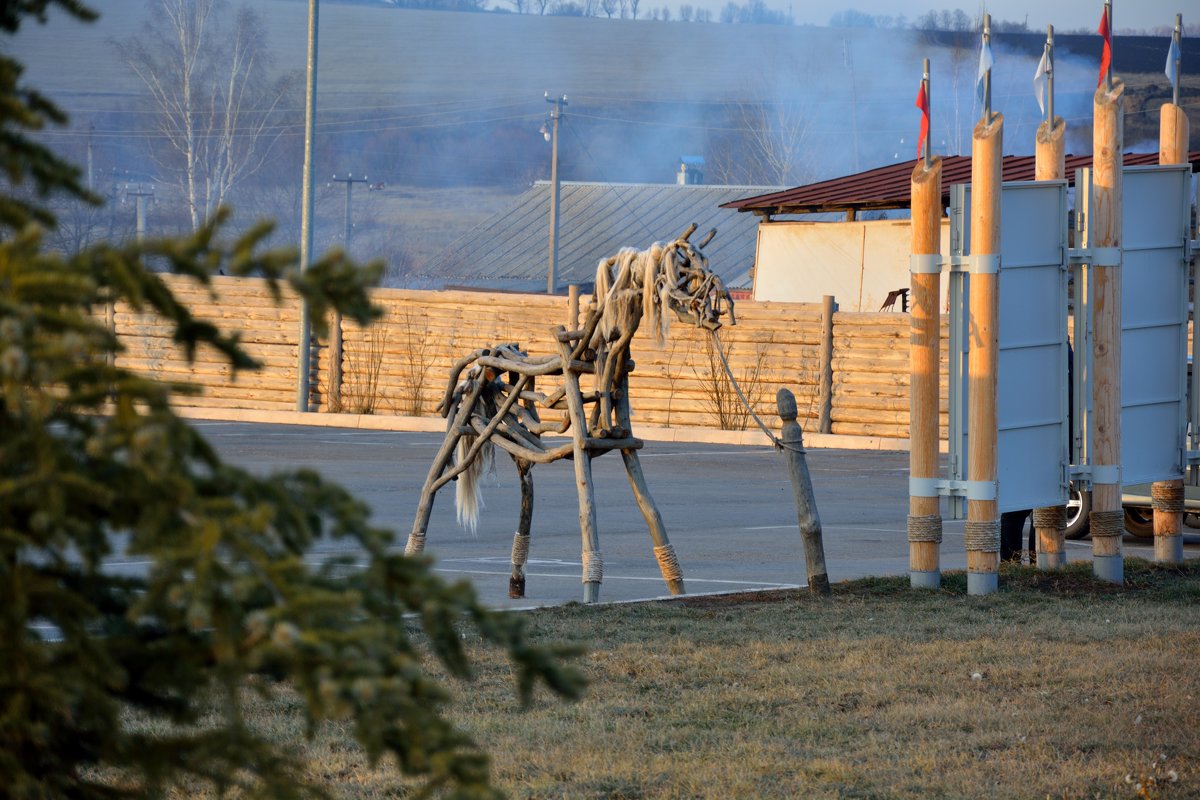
(415, 546)
(925, 528)
(668, 563)
(520, 549)
(1050, 517)
(1106, 523)
(982, 536)
(593, 566)
(1167, 497)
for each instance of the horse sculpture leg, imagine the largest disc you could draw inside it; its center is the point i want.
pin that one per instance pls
(520, 548)
(457, 417)
(664, 552)
(593, 564)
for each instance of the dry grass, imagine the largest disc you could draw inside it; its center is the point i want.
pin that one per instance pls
(1056, 687)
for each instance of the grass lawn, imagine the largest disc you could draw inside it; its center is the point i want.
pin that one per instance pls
(1058, 686)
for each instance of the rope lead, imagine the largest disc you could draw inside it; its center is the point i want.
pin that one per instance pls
(775, 440)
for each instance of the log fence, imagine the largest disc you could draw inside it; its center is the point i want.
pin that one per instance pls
(849, 371)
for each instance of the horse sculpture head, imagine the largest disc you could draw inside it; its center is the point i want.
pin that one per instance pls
(672, 278)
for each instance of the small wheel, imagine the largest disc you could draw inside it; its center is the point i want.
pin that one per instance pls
(1079, 505)
(1139, 521)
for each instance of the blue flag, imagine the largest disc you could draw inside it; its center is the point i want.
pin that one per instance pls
(1172, 69)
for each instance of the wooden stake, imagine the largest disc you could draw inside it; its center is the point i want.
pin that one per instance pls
(792, 437)
(1105, 241)
(983, 518)
(1168, 522)
(1050, 165)
(926, 331)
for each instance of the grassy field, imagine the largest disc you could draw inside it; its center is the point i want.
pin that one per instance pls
(1056, 687)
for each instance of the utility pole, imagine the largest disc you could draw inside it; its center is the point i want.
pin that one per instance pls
(140, 192)
(349, 180)
(91, 131)
(335, 334)
(555, 116)
(306, 215)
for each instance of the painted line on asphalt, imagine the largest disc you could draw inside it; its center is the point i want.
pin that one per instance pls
(656, 578)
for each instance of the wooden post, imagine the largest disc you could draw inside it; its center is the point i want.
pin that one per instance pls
(1050, 523)
(924, 513)
(335, 363)
(573, 307)
(982, 529)
(792, 437)
(1107, 518)
(825, 390)
(1168, 495)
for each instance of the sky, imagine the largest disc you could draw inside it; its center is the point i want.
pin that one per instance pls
(1062, 14)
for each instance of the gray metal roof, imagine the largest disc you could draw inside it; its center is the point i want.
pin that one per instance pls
(510, 251)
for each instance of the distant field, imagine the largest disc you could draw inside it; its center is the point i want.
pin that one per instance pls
(640, 95)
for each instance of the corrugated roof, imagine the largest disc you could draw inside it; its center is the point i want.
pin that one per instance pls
(889, 186)
(510, 250)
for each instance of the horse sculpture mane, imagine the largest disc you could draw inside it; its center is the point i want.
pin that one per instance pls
(484, 410)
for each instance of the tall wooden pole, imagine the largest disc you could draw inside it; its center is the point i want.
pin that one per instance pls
(1107, 518)
(1050, 522)
(1168, 495)
(924, 513)
(552, 266)
(982, 529)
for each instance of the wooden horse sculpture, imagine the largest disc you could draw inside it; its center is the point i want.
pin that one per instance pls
(496, 403)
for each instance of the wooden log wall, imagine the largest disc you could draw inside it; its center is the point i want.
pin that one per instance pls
(269, 334)
(399, 366)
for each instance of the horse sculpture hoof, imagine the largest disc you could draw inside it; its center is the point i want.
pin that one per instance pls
(516, 588)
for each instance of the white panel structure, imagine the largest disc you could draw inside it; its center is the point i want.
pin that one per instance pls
(1154, 318)
(1033, 446)
(856, 262)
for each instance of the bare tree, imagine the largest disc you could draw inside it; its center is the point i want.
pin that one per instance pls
(541, 5)
(609, 7)
(633, 8)
(214, 103)
(766, 144)
(520, 6)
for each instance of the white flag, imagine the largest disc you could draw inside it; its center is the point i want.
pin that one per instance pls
(1172, 62)
(1041, 80)
(985, 64)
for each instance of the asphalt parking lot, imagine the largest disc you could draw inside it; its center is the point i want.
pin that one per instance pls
(728, 510)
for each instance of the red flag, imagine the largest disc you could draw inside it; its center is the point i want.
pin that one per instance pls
(1106, 54)
(923, 104)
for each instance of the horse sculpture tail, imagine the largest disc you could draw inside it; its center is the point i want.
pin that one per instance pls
(467, 497)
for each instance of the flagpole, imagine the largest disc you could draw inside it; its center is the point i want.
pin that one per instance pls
(928, 110)
(1108, 72)
(1050, 75)
(1177, 36)
(987, 76)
